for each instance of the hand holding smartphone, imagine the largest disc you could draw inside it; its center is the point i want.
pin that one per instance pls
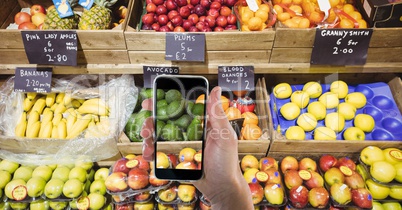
(179, 113)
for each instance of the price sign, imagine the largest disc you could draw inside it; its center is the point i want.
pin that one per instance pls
(51, 47)
(236, 77)
(341, 46)
(37, 80)
(185, 47)
(150, 72)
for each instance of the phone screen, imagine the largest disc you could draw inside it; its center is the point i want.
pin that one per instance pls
(179, 110)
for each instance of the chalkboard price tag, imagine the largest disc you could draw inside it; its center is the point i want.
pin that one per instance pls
(51, 47)
(185, 47)
(33, 79)
(150, 72)
(341, 46)
(236, 77)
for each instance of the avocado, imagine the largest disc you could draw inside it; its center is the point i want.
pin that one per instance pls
(171, 132)
(161, 113)
(194, 130)
(183, 121)
(162, 102)
(198, 109)
(173, 95)
(175, 109)
(134, 125)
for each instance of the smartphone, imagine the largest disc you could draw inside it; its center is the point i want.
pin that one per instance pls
(179, 113)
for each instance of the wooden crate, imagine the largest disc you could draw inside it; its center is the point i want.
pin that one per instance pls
(296, 45)
(258, 147)
(222, 48)
(281, 147)
(94, 46)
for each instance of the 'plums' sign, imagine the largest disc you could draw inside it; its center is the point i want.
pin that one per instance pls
(185, 47)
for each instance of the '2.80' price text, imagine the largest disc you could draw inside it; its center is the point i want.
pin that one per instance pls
(58, 58)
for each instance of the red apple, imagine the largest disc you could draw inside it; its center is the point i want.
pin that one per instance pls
(138, 178)
(298, 196)
(267, 163)
(273, 176)
(148, 19)
(155, 181)
(346, 161)
(362, 198)
(327, 161)
(184, 11)
(143, 196)
(289, 163)
(121, 165)
(332, 207)
(37, 8)
(22, 17)
(316, 180)
(173, 160)
(248, 161)
(163, 20)
(27, 26)
(186, 192)
(186, 165)
(169, 194)
(232, 20)
(307, 164)
(318, 197)
(170, 5)
(142, 163)
(292, 178)
(161, 10)
(116, 182)
(158, 2)
(355, 181)
(257, 192)
(151, 8)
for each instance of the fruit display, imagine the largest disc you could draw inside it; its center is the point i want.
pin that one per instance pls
(335, 111)
(177, 194)
(58, 186)
(308, 14)
(193, 16)
(256, 19)
(59, 116)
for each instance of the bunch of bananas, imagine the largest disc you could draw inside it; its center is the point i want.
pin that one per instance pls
(59, 116)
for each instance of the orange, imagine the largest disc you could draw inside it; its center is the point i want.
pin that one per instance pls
(283, 16)
(254, 24)
(262, 14)
(251, 132)
(225, 101)
(200, 99)
(249, 118)
(278, 9)
(264, 7)
(233, 113)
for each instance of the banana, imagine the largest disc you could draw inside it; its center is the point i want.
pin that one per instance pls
(28, 103)
(31, 95)
(50, 99)
(71, 118)
(46, 117)
(92, 123)
(33, 117)
(60, 98)
(39, 105)
(21, 128)
(75, 103)
(33, 130)
(95, 109)
(46, 130)
(67, 99)
(80, 125)
(62, 130)
(23, 117)
(53, 107)
(57, 118)
(55, 132)
(81, 101)
(46, 110)
(60, 109)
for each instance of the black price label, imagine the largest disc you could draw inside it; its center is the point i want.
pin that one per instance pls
(51, 47)
(185, 47)
(341, 46)
(150, 72)
(37, 80)
(236, 77)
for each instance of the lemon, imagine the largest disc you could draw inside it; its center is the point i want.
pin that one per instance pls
(313, 89)
(358, 99)
(295, 133)
(365, 122)
(301, 98)
(324, 133)
(335, 121)
(329, 99)
(340, 88)
(307, 121)
(317, 109)
(290, 111)
(347, 110)
(282, 90)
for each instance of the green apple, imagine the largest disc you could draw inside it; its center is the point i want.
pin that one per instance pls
(340, 88)
(84, 162)
(101, 173)
(398, 168)
(396, 192)
(43, 171)
(388, 155)
(313, 89)
(8, 190)
(54, 188)
(73, 203)
(307, 121)
(36, 186)
(19, 205)
(383, 171)
(91, 175)
(354, 133)
(39, 205)
(301, 98)
(10, 166)
(371, 154)
(98, 186)
(377, 206)
(335, 121)
(347, 110)
(52, 166)
(23, 172)
(324, 133)
(329, 99)
(365, 122)
(78, 173)
(4, 205)
(282, 90)
(290, 111)
(61, 172)
(96, 201)
(108, 207)
(317, 109)
(358, 99)
(73, 188)
(58, 205)
(378, 191)
(341, 193)
(5, 178)
(392, 205)
(295, 133)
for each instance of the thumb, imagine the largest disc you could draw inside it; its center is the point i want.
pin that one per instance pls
(216, 116)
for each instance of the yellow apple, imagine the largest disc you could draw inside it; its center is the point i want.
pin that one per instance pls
(295, 133)
(313, 89)
(301, 98)
(290, 111)
(162, 160)
(398, 168)
(340, 88)
(392, 205)
(396, 192)
(365, 122)
(358, 99)
(383, 171)
(335, 121)
(371, 154)
(347, 110)
(324, 133)
(248, 162)
(377, 206)
(249, 175)
(329, 99)
(354, 133)
(378, 191)
(317, 109)
(274, 193)
(389, 157)
(307, 121)
(282, 90)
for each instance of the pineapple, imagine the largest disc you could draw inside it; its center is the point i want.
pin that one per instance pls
(53, 20)
(98, 17)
